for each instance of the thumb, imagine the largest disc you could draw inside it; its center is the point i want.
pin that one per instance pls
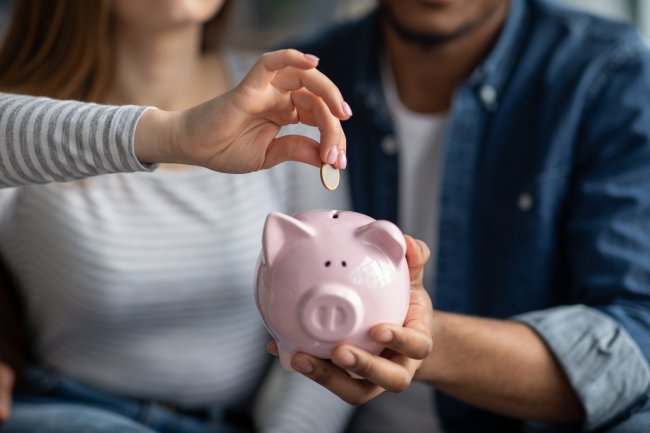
(6, 386)
(417, 256)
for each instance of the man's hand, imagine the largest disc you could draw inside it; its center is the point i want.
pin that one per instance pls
(406, 347)
(237, 132)
(6, 386)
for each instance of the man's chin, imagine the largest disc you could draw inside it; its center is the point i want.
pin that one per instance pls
(436, 3)
(424, 39)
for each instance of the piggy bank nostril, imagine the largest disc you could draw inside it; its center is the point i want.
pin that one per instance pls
(344, 263)
(327, 264)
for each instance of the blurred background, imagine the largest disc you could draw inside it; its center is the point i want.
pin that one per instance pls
(262, 23)
(265, 23)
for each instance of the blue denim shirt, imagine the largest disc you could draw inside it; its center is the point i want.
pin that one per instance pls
(545, 203)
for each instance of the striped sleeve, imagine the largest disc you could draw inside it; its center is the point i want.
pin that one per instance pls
(46, 140)
(294, 404)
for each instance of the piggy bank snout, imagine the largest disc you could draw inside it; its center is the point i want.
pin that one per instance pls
(331, 312)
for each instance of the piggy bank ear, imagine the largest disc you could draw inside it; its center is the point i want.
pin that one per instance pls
(386, 236)
(280, 229)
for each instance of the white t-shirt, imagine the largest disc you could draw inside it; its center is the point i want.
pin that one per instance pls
(419, 140)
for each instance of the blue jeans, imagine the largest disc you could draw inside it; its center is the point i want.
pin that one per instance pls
(53, 403)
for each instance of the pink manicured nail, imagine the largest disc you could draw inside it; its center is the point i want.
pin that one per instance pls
(331, 157)
(346, 108)
(343, 161)
(312, 58)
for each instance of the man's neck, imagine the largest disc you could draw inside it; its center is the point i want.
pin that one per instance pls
(427, 77)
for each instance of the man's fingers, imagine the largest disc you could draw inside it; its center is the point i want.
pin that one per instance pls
(417, 252)
(263, 71)
(292, 148)
(391, 374)
(353, 391)
(417, 256)
(413, 343)
(313, 111)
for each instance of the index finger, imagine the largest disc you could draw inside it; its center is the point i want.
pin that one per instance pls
(292, 79)
(414, 342)
(267, 67)
(263, 71)
(325, 373)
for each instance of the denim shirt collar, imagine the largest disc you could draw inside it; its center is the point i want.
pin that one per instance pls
(496, 68)
(493, 72)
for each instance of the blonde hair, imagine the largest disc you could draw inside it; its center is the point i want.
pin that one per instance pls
(61, 48)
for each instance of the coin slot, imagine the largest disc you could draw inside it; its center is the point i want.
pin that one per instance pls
(336, 215)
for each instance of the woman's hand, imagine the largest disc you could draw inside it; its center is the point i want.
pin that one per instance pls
(6, 386)
(237, 132)
(406, 347)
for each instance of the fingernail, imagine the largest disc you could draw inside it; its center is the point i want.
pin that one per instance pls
(383, 335)
(346, 108)
(312, 57)
(343, 160)
(346, 359)
(331, 157)
(303, 366)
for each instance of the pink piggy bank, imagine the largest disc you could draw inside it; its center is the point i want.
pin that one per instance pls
(327, 277)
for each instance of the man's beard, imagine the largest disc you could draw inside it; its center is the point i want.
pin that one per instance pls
(429, 41)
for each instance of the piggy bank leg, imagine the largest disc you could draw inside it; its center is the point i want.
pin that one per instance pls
(285, 357)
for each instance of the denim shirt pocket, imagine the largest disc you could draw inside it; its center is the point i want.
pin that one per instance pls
(541, 198)
(522, 205)
(521, 251)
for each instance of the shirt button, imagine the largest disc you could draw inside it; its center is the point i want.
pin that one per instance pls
(488, 95)
(389, 145)
(371, 101)
(525, 202)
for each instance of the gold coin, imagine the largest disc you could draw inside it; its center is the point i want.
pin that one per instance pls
(329, 176)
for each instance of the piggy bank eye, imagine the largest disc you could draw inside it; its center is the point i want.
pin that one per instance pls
(327, 264)
(343, 263)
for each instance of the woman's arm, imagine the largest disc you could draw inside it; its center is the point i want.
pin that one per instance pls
(238, 131)
(44, 140)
